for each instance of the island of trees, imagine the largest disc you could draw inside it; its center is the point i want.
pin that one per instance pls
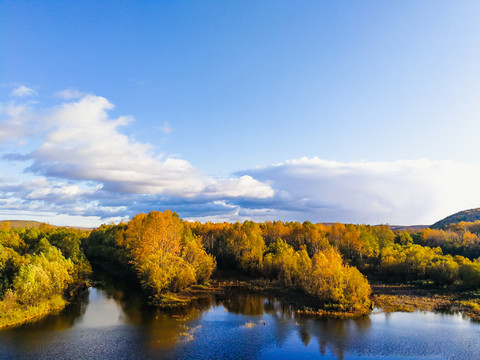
(41, 268)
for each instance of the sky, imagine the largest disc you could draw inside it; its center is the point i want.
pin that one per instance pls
(349, 111)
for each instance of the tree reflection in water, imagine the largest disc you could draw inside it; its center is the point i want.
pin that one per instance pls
(159, 328)
(42, 332)
(247, 323)
(112, 321)
(164, 328)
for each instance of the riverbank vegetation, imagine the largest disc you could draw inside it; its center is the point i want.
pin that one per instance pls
(292, 255)
(40, 269)
(324, 265)
(159, 248)
(168, 255)
(291, 250)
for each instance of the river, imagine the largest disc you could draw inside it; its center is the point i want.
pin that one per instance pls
(109, 321)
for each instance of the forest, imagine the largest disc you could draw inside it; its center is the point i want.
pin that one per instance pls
(41, 268)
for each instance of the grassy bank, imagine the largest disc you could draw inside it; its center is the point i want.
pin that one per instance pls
(409, 298)
(17, 314)
(471, 308)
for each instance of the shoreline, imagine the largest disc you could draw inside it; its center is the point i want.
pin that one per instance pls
(32, 313)
(409, 298)
(21, 314)
(302, 303)
(385, 297)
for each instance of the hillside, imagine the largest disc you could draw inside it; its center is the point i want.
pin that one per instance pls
(22, 223)
(410, 228)
(31, 223)
(465, 215)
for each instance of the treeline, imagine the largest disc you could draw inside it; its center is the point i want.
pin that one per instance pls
(326, 261)
(270, 249)
(168, 254)
(159, 248)
(41, 267)
(294, 254)
(39, 270)
(456, 239)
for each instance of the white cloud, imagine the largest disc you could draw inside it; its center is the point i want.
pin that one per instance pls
(56, 218)
(84, 165)
(399, 192)
(41, 198)
(23, 91)
(13, 110)
(83, 161)
(166, 128)
(244, 186)
(84, 143)
(69, 94)
(54, 192)
(15, 121)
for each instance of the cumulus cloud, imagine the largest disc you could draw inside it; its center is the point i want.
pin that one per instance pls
(242, 187)
(82, 163)
(42, 196)
(399, 192)
(23, 91)
(84, 143)
(15, 121)
(83, 160)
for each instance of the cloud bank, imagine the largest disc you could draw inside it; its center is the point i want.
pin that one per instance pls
(82, 164)
(76, 164)
(400, 192)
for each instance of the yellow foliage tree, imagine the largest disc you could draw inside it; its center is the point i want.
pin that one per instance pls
(164, 253)
(5, 226)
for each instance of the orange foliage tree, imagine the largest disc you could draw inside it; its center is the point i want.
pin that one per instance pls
(164, 252)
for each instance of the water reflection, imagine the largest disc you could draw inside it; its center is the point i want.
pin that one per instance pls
(112, 320)
(158, 328)
(333, 333)
(43, 332)
(162, 329)
(241, 303)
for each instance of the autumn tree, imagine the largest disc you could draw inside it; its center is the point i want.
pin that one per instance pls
(5, 226)
(281, 262)
(245, 242)
(164, 252)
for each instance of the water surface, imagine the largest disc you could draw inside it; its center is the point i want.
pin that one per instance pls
(110, 322)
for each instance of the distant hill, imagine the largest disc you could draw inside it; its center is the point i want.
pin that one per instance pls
(14, 224)
(22, 223)
(465, 215)
(413, 228)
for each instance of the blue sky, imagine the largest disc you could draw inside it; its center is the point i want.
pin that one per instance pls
(363, 112)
